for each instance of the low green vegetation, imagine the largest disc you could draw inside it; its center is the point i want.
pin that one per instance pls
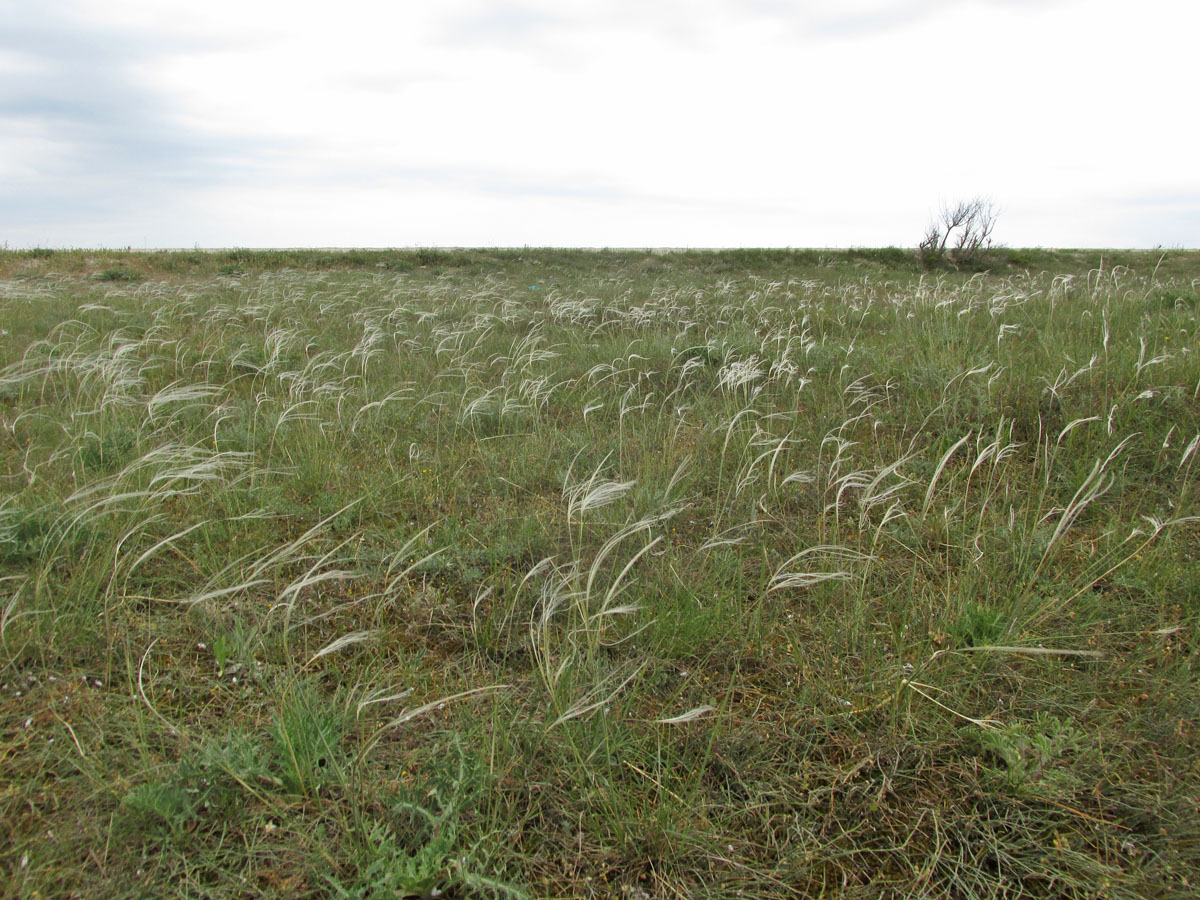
(501, 573)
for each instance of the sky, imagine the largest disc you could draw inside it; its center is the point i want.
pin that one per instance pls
(595, 123)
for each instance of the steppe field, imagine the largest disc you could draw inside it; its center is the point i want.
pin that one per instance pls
(628, 574)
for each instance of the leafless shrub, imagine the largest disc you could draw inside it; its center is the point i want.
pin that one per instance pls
(960, 236)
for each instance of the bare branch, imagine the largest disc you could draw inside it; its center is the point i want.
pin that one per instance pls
(960, 234)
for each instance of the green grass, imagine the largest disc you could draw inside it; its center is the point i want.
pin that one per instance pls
(500, 573)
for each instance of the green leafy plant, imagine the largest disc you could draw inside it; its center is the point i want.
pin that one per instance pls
(435, 855)
(23, 533)
(233, 651)
(1030, 754)
(211, 778)
(162, 804)
(977, 625)
(386, 870)
(307, 735)
(108, 452)
(118, 274)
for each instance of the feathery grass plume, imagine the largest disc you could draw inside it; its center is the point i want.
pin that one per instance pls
(998, 451)
(676, 477)
(592, 492)
(404, 392)
(178, 392)
(311, 577)
(690, 716)
(1073, 424)
(732, 536)
(401, 563)
(937, 472)
(9, 614)
(1143, 363)
(909, 682)
(1189, 450)
(568, 628)
(1095, 485)
(379, 695)
(1107, 567)
(600, 696)
(590, 408)
(409, 714)
(488, 403)
(872, 497)
(346, 640)
(1033, 651)
(838, 554)
(740, 373)
(255, 570)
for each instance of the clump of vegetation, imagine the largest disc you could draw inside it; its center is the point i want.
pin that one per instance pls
(960, 236)
(118, 274)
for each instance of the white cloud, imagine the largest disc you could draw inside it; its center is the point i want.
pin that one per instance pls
(702, 123)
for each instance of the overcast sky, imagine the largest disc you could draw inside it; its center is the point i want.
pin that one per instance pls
(703, 123)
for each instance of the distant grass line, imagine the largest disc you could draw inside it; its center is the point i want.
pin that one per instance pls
(150, 263)
(500, 573)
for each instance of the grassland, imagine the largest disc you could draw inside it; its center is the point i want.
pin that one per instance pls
(617, 574)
